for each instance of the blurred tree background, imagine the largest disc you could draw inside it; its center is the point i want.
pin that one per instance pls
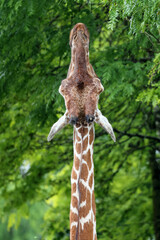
(35, 174)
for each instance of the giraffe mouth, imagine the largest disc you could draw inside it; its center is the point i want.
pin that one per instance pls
(79, 34)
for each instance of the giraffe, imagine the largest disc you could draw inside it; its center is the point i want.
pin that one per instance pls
(81, 91)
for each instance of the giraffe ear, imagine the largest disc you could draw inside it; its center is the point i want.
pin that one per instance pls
(61, 123)
(104, 123)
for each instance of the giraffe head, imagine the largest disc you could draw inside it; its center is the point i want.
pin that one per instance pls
(79, 35)
(82, 87)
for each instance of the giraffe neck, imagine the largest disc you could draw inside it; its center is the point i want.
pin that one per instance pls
(82, 209)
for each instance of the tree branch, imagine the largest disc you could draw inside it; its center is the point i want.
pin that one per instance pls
(137, 135)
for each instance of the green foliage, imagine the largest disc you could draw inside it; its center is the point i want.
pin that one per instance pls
(141, 15)
(152, 93)
(34, 58)
(28, 226)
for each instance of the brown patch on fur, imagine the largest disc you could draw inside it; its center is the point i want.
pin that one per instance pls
(73, 217)
(78, 148)
(87, 232)
(85, 143)
(76, 162)
(80, 130)
(85, 131)
(78, 138)
(91, 180)
(74, 202)
(91, 136)
(84, 172)
(73, 232)
(73, 187)
(87, 158)
(82, 190)
(74, 175)
(83, 212)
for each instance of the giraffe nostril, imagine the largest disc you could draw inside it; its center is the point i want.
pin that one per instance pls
(73, 120)
(89, 118)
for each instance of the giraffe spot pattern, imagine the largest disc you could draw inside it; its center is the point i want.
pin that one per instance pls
(84, 172)
(78, 148)
(74, 217)
(73, 232)
(74, 202)
(74, 187)
(85, 143)
(91, 136)
(76, 162)
(87, 158)
(87, 231)
(91, 180)
(85, 210)
(74, 174)
(82, 210)
(78, 138)
(83, 130)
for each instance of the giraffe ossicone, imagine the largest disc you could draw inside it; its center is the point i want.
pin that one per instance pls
(81, 91)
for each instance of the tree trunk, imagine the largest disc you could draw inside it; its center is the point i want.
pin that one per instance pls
(156, 193)
(155, 170)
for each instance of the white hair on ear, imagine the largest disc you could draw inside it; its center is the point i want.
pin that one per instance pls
(61, 123)
(104, 123)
